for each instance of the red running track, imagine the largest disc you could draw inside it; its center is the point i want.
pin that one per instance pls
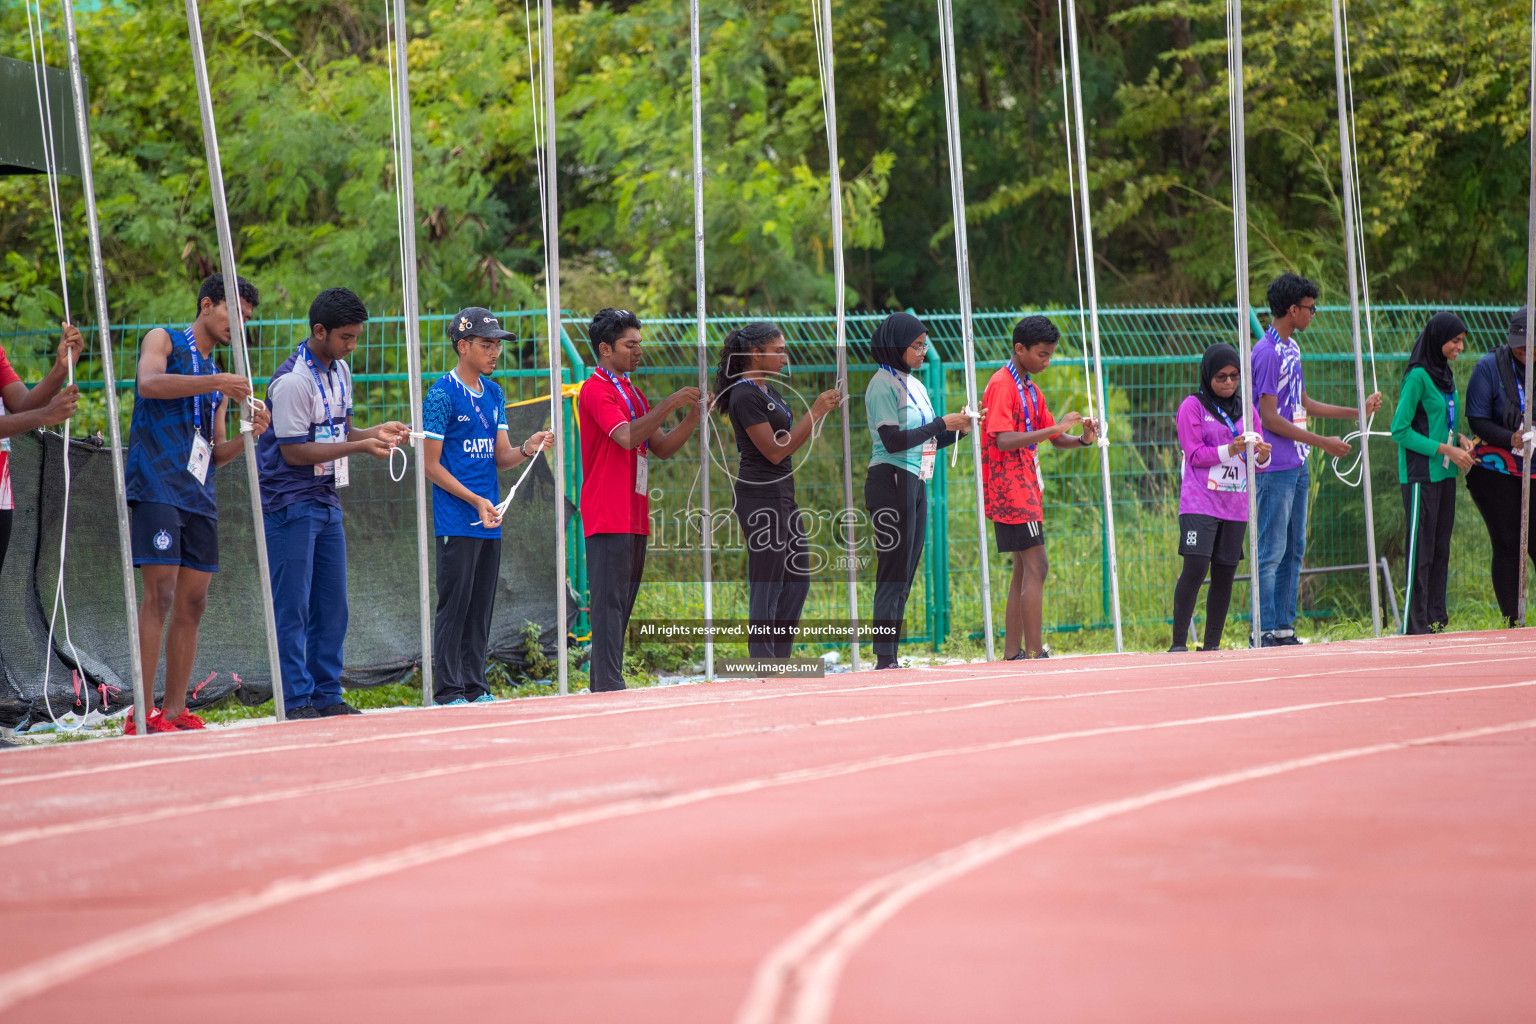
(1339, 833)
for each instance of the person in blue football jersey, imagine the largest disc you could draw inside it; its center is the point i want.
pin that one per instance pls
(175, 442)
(465, 423)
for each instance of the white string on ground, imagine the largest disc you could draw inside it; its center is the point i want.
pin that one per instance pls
(36, 42)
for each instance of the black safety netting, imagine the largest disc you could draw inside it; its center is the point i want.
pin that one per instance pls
(383, 642)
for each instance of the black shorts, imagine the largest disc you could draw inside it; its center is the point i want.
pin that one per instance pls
(1220, 540)
(166, 535)
(1018, 536)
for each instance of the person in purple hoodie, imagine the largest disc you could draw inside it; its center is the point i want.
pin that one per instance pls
(1213, 499)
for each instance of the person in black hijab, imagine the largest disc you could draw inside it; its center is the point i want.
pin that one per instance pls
(908, 433)
(1429, 456)
(1213, 493)
(1496, 413)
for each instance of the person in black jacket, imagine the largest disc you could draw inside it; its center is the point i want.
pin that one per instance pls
(767, 435)
(908, 434)
(1495, 412)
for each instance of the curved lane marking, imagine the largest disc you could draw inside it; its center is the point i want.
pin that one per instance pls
(171, 811)
(797, 982)
(662, 705)
(50, 971)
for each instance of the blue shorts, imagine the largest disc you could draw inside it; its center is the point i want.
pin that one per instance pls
(166, 535)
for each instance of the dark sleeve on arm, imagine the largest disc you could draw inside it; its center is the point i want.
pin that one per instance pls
(897, 440)
(1482, 391)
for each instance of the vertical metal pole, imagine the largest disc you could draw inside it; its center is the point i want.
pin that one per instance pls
(707, 533)
(108, 371)
(1530, 306)
(411, 310)
(1244, 310)
(236, 339)
(552, 300)
(963, 269)
(836, 180)
(1351, 229)
(1093, 324)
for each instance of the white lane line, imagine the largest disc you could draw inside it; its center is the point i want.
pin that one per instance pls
(171, 811)
(42, 975)
(662, 705)
(797, 982)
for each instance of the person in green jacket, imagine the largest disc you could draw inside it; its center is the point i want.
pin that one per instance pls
(1429, 455)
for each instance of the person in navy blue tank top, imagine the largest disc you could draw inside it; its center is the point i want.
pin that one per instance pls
(465, 423)
(176, 441)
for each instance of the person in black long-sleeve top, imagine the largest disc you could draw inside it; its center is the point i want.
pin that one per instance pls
(908, 435)
(778, 564)
(1495, 412)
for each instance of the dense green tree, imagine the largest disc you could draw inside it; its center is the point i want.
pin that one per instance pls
(302, 99)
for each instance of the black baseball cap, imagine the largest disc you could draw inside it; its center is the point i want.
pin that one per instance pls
(1517, 336)
(476, 322)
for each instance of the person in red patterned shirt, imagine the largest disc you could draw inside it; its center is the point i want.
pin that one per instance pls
(46, 404)
(1017, 420)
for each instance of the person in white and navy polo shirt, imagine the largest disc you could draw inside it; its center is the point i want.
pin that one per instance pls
(465, 423)
(303, 460)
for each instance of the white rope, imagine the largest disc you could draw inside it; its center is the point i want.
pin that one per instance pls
(35, 40)
(1353, 474)
(501, 508)
(1077, 247)
(402, 220)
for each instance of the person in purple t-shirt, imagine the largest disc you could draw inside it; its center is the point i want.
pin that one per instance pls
(1213, 498)
(1284, 410)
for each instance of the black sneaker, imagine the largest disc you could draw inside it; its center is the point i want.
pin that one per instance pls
(885, 661)
(1289, 640)
(1044, 652)
(307, 711)
(1023, 655)
(1178, 649)
(342, 708)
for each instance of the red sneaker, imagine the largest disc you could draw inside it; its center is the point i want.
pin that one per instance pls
(155, 721)
(187, 720)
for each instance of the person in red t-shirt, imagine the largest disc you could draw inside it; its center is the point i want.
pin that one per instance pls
(47, 404)
(1017, 420)
(619, 430)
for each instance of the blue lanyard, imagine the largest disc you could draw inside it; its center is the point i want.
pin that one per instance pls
(474, 400)
(214, 398)
(1029, 404)
(1228, 421)
(1520, 388)
(929, 415)
(324, 396)
(1450, 412)
(618, 383)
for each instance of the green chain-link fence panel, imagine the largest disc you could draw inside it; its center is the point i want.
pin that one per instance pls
(1150, 361)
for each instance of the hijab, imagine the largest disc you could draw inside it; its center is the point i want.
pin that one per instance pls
(1428, 350)
(1217, 358)
(1511, 373)
(893, 337)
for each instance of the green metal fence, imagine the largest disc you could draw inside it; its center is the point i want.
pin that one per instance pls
(1150, 360)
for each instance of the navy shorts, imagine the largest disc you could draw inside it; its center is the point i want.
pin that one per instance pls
(166, 535)
(1018, 536)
